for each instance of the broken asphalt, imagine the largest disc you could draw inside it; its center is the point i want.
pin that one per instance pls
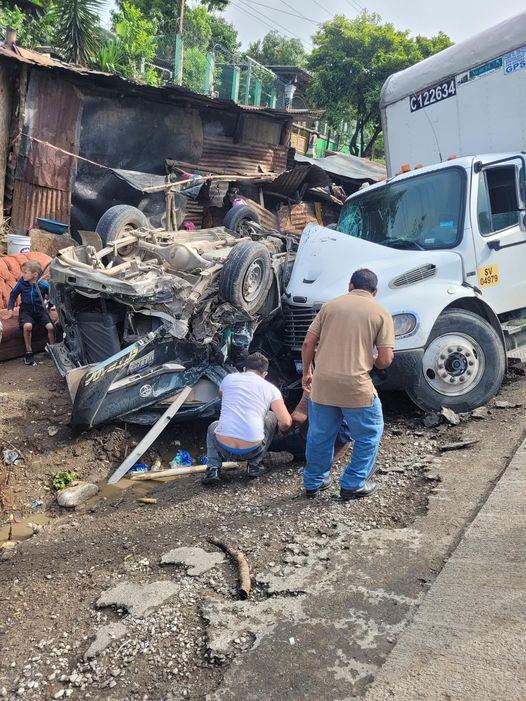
(335, 585)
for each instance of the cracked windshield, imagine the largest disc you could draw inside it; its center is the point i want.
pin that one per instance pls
(418, 213)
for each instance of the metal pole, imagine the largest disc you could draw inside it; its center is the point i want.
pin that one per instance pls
(246, 98)
(178, 50)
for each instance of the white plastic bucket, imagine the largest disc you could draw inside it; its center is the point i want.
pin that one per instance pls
(18, 244)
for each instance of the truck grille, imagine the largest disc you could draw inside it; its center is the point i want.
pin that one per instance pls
(297, 322)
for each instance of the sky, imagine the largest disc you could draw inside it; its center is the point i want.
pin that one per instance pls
(457, 18)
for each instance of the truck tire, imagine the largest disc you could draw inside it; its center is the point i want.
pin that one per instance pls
(239, 217)
(246, 276)
(117, 221)
(463, 364)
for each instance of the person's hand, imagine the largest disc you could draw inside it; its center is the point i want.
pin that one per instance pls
(9, 315)
(306, 380)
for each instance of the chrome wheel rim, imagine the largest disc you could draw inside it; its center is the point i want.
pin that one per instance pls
(453, 364)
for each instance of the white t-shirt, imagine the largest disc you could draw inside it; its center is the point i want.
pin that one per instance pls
(246, 399)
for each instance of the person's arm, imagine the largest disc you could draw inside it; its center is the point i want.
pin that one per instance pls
(385, 342)
(282, 415)
(300, 413)
(12, 299)
(308, 350)
(384, 358)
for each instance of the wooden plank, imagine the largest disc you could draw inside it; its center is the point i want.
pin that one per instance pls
(152, 434)
(180, 471)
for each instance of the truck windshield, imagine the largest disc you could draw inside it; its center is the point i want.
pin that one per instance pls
(418, 213)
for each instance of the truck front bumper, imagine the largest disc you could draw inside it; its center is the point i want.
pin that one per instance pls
(403, 371)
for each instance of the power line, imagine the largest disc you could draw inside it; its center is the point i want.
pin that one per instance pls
(355, 5)
(268, 19)
(285, 12)
(323, 8)
(287, 4)
(266, 24)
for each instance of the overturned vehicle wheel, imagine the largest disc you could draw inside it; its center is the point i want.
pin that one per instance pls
(246, 276)
(241, 219)
(117, 222)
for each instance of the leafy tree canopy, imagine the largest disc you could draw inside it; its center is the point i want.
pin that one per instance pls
(277, 50)
(350, 62)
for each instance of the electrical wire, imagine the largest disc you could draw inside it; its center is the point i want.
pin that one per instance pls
(266, 17)
(322, 7)
(285, 12)
(287, 4)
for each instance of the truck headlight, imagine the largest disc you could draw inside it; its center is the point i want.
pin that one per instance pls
(404, 324)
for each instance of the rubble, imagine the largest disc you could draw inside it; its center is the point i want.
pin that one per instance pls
(196, 560)
(450, 416)
(77, 493)
(104, 637)
(138, 599)
(457, 445)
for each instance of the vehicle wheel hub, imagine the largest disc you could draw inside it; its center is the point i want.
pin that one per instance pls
(453, 364)
(252, 281)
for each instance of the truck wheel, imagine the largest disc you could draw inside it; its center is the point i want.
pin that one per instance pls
(117, 221)
(463, 364)
(246, 276)
(239, 219)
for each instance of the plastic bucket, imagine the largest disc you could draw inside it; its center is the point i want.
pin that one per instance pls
(18, 244)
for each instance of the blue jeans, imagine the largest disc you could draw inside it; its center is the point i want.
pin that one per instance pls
(366, 425)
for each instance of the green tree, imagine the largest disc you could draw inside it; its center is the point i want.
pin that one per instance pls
(428, 46)
(32, 30)
(350, 62)
(76, 26)
(224, 38)
(277, 50)
(132, 50)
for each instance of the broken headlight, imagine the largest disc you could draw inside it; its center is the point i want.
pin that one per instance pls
(404, 324)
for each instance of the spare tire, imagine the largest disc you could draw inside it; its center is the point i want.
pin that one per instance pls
(246, 276)
(117, 220)
(239, 217)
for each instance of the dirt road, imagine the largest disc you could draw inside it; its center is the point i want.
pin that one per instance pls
(334, 584)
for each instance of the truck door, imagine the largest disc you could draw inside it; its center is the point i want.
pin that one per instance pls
(499, 233)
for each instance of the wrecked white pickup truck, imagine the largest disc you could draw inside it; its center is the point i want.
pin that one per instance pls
(154, 311)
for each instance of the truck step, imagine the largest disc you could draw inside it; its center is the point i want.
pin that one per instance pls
(517, 354)
(514, 326)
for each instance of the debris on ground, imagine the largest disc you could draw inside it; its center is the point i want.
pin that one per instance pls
(480, 412)
(457, 445)
(450, 416)
(500, 404)
(104, 637)
(432, 420)
(244, 585)
(138, 599)
(77, 493)
(11, 457)
(196, 560)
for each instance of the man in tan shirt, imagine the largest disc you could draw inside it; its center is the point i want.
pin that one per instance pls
(342, 341)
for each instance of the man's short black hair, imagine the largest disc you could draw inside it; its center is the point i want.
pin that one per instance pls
(364, 279)
(257, 362)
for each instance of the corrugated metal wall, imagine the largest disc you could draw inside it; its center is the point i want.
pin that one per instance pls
(44, 175)
(220, 153)
(5, 121)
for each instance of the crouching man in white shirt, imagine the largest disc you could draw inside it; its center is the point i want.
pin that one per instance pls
(251, 411)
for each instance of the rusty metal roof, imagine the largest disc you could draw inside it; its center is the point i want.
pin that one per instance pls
(346, 166)
(170, 93)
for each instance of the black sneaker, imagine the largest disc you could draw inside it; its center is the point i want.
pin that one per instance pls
(29, 359)
(212, 476)
(311, 493)
(253, 471)
(365, 491)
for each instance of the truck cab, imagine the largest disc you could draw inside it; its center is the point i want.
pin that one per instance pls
(446, 242)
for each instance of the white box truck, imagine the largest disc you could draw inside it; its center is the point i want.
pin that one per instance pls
(447, 236)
